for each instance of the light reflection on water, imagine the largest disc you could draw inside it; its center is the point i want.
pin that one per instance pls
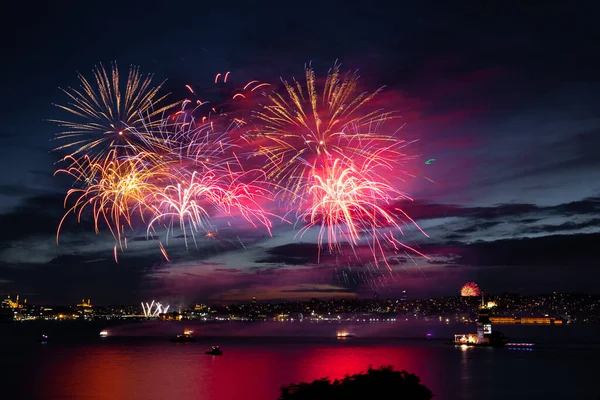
(87, 366)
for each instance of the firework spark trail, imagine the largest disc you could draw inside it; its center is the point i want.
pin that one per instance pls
(243, 194)
(300, 128)
(200, 144)
(228, 96)
(106, 110)
(346, 206)
(114, 190)
(164, 252)
(150, 311)
(181, 202)
(188, 203)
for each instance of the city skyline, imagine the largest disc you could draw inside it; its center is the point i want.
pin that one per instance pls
(547, 309)
(511, 199)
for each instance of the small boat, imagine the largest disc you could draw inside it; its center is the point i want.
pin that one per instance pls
(345, 335)
(43, 339)
(184, 337)
(103, 333)
(215, 351)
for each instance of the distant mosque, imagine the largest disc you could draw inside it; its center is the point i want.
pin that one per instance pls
(8, 303)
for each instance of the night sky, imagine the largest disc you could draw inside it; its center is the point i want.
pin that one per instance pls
(504, 96)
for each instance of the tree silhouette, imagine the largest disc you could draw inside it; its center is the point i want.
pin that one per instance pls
(382, 383)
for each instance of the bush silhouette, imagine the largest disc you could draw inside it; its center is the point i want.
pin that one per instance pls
(382, 383)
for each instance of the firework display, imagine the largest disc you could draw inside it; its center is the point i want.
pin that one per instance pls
(470, 289)
(315, 151)
(302, 128)
(106, 110)
(154, 309)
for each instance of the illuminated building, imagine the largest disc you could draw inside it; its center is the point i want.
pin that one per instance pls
(282, 317)
(484, 329)
(504, 320)
(469, 338)
(534, 320)
(85, 308)
(484, 324)
(8, 303)
(527, 320)
(84, 304)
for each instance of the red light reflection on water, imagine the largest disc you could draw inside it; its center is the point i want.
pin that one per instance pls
(183, 371)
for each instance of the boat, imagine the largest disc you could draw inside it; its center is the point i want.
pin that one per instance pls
(215, 351)
(345, 335)
(103, 333)
(43, 339)
(184, 337)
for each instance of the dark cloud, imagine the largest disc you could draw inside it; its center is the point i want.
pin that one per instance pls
(567, 226)
(454, 237)
(66, 279)
(577, 153)
(478, 226)
(19, 191)
(36, 216)
(586, 206)
(528, 220)
(422, 211)
(560, 250)
(142, 238)
(315, 290)
(291, 254)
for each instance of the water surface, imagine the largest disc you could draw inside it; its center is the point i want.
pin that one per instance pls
(77, 364)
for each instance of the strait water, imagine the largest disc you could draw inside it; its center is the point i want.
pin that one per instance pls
(138, 362)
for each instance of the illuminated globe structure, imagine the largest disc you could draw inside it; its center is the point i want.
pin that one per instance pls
(470, 289)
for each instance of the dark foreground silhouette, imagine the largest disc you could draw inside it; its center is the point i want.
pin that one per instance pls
(382, 383)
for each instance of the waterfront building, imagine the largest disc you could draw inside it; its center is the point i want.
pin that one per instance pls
(483, 335)
(527, 320)
(85, 308)
(13, 304)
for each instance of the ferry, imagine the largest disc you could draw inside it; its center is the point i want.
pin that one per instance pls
(104, 333)
(345, 335)
(184, 337)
